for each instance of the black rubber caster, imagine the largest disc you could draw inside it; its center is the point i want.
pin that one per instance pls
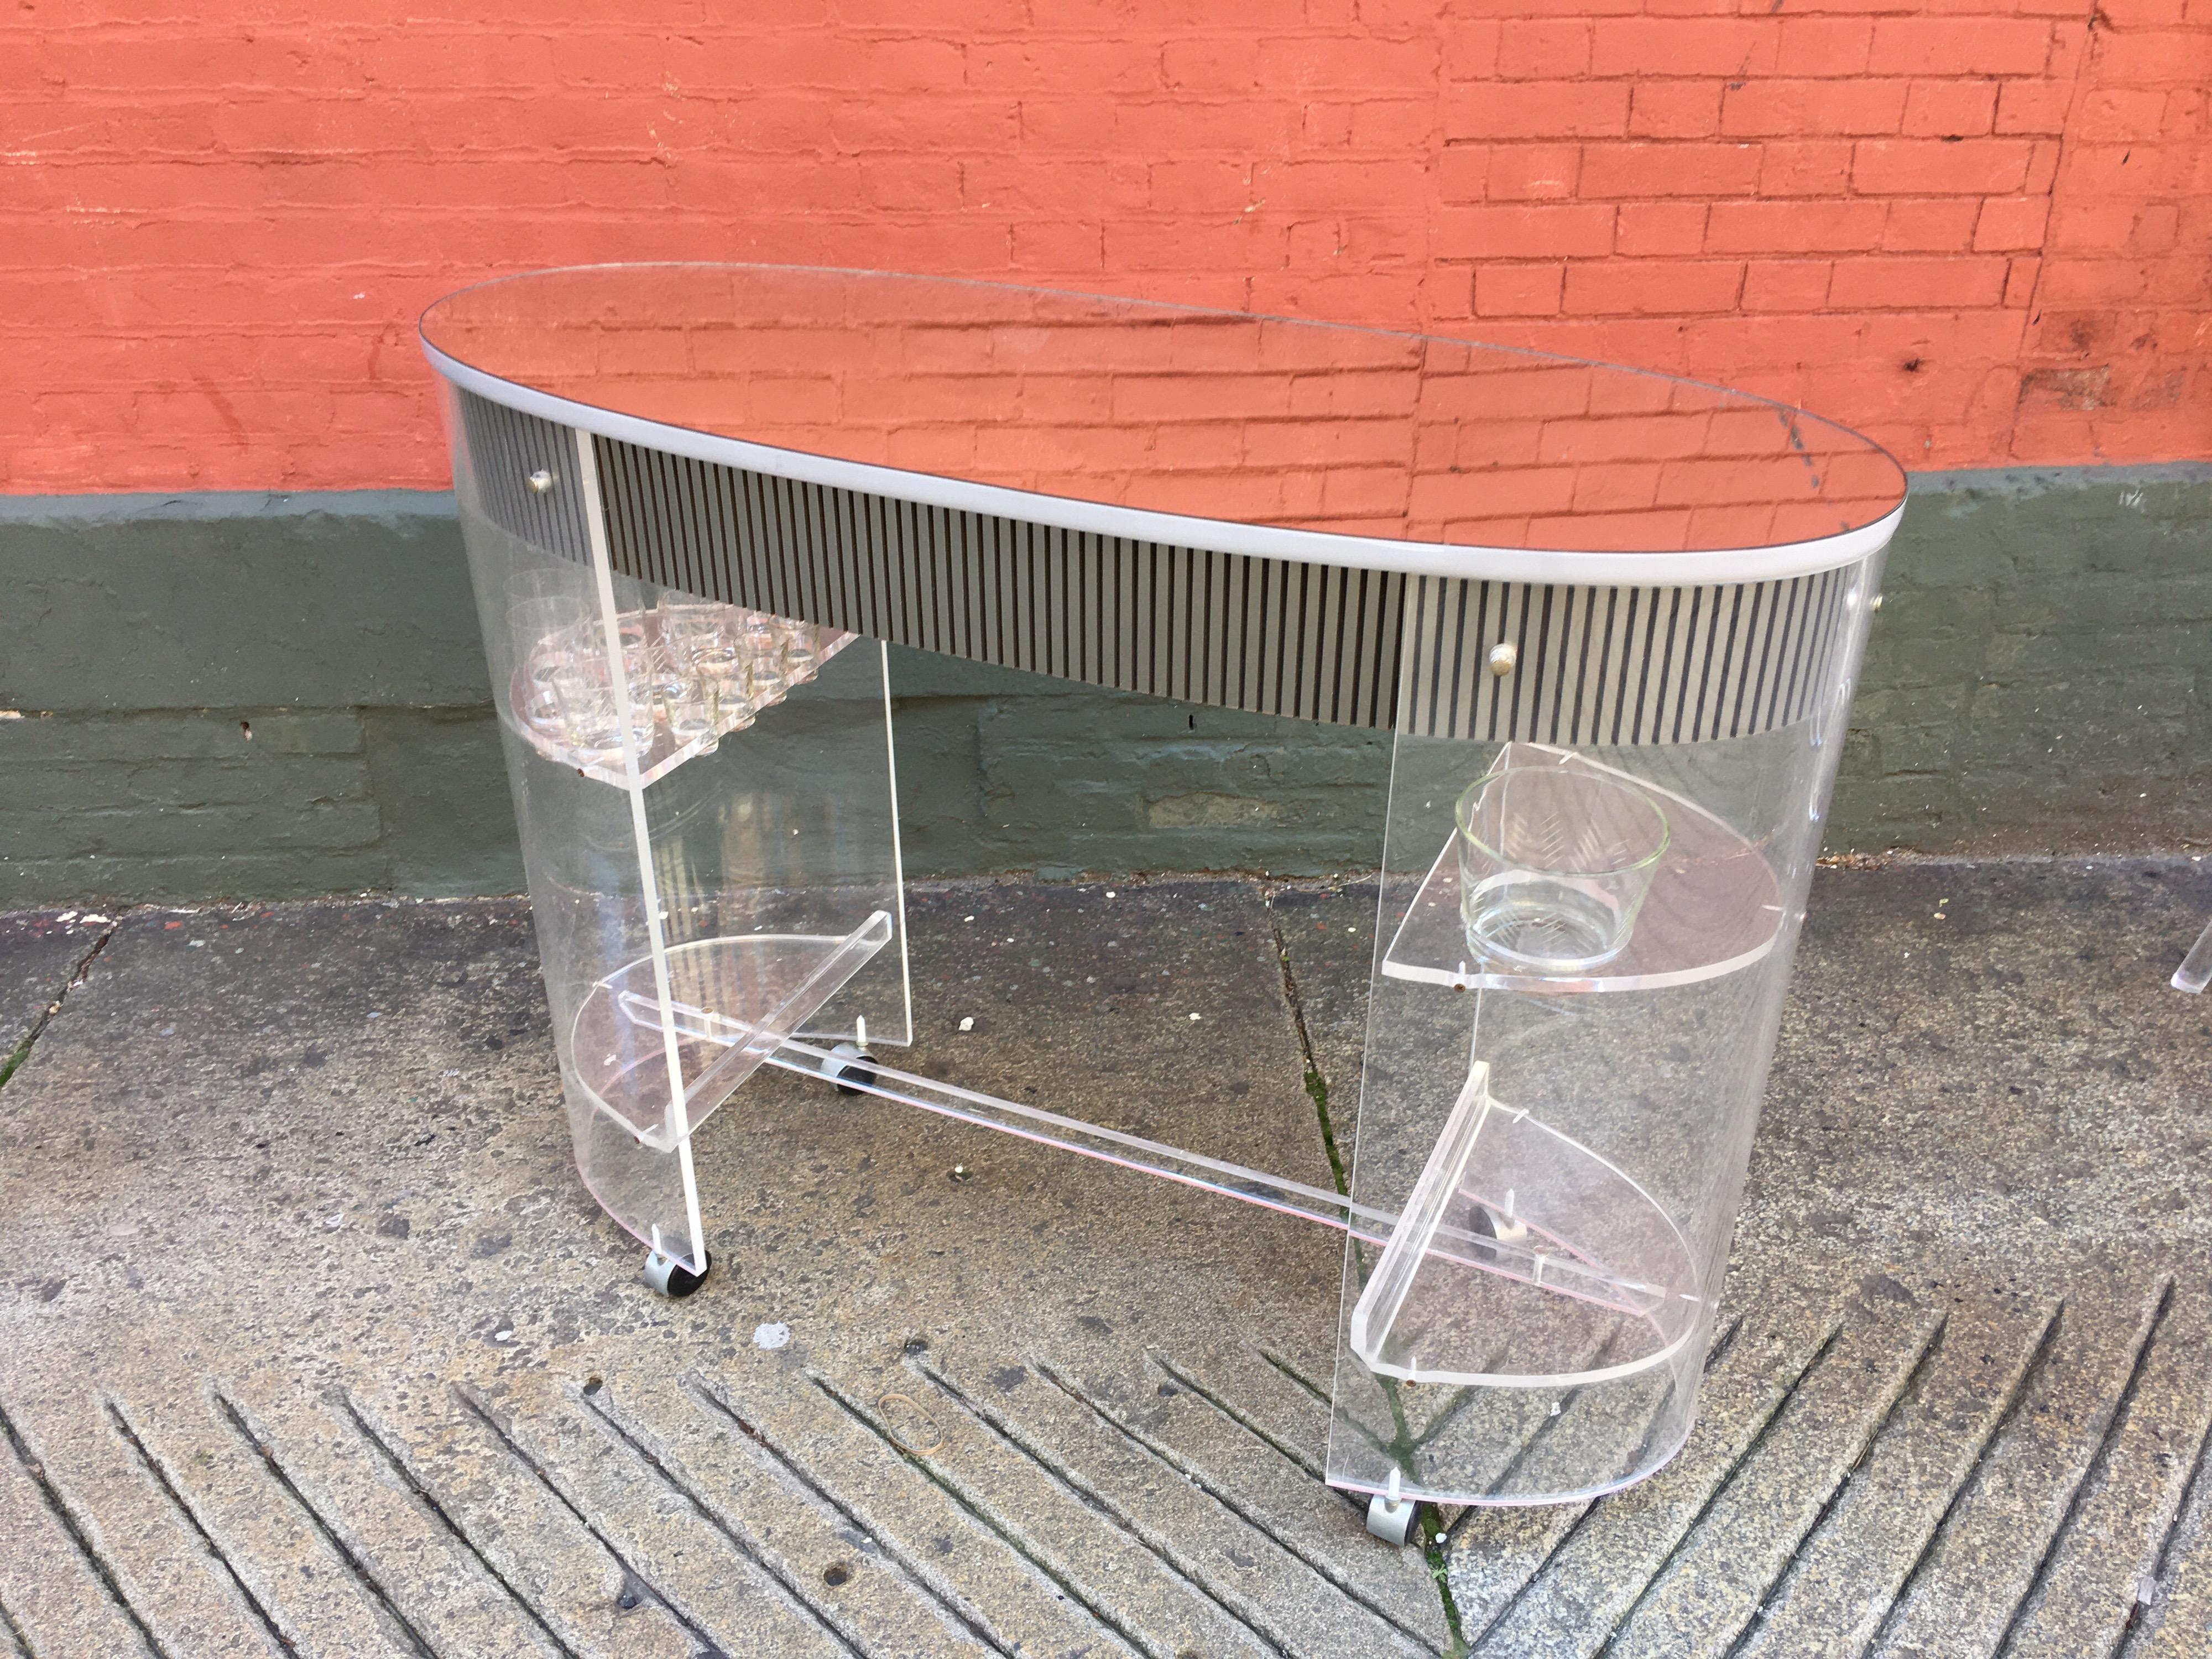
(671, 1277)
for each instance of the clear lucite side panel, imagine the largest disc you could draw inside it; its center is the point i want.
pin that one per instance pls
(775, 860)
(711, 845)
(1580, 965)
(2195, 971)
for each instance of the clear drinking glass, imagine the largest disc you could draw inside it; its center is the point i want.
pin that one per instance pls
(1554, 863)
(700, 635)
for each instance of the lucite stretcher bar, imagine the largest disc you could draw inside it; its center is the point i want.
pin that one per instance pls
(1612, 620)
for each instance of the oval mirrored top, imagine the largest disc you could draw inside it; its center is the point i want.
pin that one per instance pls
(1208, 415)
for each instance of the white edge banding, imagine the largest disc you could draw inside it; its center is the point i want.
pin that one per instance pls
(1766, 563)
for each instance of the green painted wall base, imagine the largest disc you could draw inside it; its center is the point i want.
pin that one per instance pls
(277, 697)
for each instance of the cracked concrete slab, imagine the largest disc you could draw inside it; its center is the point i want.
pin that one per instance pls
(315, 1344)
(40, 951)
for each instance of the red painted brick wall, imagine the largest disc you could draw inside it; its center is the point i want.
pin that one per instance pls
(1979, 229)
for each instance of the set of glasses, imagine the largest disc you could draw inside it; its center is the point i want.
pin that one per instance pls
(692, 671)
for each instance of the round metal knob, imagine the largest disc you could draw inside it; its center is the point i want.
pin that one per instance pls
(541, 480)
(1502, 659)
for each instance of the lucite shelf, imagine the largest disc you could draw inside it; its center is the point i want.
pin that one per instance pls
(1714, 907)
(1571, 1258)
(734, 1001)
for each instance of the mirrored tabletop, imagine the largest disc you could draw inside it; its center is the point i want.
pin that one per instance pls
(1210, 414)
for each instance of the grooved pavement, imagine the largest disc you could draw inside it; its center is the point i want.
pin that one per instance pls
(314, 1345)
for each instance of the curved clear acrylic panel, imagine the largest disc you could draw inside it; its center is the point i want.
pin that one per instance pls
(709, 826)
(1564, 1139)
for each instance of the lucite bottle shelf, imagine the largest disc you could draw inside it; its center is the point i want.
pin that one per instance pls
(692, 679)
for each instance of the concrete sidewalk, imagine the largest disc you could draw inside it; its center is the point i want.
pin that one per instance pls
(313, 1343)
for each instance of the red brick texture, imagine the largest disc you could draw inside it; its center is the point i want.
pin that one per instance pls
(1980, 230)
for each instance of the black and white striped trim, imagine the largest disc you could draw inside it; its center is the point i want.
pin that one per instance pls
(501, 449)
(1278, 636)
(1620, 665)
(1336, 644)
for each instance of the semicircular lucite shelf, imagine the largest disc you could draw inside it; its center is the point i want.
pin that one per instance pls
(1714, 907)
(1207, 415)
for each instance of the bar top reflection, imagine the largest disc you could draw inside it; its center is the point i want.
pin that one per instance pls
(1212, 414)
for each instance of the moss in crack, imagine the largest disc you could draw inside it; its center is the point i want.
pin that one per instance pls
(1432, 1550)
(7, 1066)
(1316, 1085)
(1404, 1446)
(1318, 1088)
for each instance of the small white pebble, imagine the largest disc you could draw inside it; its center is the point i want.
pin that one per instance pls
(963, 918)
(1110, 893)
(1195, 1017)
(197, 944)
(771, 1336)
(967, 1021)
(91, 921)
(505, 1333)
(66, 915)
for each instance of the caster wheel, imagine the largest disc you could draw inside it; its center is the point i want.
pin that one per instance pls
(1390, 1516)
(1509, 1231)
(670, 1278)
(1392, 1522)
(853, 1069)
